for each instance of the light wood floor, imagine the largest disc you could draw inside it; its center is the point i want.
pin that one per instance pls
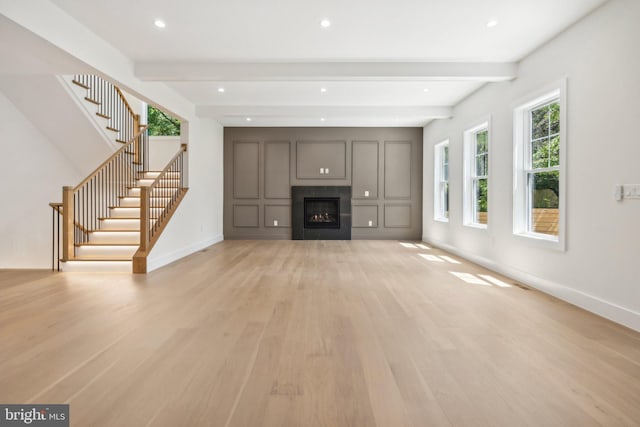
(311, 333)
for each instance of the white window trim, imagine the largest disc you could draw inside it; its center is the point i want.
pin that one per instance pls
(469, 157)
(438, 207)
(521, 150)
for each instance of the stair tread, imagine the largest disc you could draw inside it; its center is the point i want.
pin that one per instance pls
(93, 101)
(98, 259)
(153, 197)
(104, 116)
(118, 230)
(157, 186)
(79, 245)
(126, 218)
(80, 84)
(113, 129)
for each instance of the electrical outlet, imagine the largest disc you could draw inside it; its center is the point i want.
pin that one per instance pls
(366, 193)
(326, 170)
(370, 223)
(321, 171)
(275, 222)
(631, 191)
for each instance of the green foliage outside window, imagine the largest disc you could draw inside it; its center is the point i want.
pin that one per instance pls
(482, 169)
(161, 124)
(545, 153)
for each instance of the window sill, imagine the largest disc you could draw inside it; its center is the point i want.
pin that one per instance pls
(545, 241)
(476, 226)
(445, 220)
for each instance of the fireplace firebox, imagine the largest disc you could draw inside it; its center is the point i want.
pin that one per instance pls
(321, 212)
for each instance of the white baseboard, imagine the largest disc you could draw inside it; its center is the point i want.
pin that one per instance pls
(606, 309)
(155, 263)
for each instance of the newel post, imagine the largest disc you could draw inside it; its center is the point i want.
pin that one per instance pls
(137, 147)
(67, 224)
(144, 218)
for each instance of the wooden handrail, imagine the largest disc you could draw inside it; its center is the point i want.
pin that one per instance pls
(56, 206)
(120, 150)
(155, 182)
(124, 100)
(149, 234)
(140, 257)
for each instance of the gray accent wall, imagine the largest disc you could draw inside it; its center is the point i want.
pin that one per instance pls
(382, 165)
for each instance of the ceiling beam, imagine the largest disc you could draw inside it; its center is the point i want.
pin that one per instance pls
(217, 111)
(326, 71)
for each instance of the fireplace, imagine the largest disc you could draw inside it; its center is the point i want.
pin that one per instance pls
(321, 212)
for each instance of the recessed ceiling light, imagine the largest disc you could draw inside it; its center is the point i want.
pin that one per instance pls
(159, 23)
(322, 119)
(425, 90)
(492, 23)
(221, 89)
(325, 23)
(248, 119)
(323, 89)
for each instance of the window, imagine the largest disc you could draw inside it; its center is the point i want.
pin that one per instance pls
(476, 170)
(441, 181)
(539, 147)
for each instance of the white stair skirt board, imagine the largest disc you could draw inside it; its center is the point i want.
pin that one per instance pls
(96, 266)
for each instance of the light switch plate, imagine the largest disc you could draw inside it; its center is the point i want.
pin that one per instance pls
(326, 170)
(370, 223)
(366, 193)
(275, 222)
(617, 193)
(321, 171)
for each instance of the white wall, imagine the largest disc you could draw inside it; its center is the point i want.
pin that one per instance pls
(161, 150)
(598, 271)
(33, 174)
(198, 221)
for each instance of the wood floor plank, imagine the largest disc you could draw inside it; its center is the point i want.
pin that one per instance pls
(312, 333)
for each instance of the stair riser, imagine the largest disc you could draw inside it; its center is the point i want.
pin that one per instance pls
(164, 192)
(135, 202)
(123, 238)
(154, 175)
(105, 252)
(97, 266)
(131, 212)
(168, 182)
(123, 224)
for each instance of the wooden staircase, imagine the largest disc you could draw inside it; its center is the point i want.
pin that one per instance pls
(112, 219)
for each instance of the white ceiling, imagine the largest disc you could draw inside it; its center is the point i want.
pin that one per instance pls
(272, 56)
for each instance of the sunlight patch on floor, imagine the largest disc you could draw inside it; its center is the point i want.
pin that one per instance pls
(449, 259)
(470, 278)
(432, 258)
(409, 245)
(495, 281)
